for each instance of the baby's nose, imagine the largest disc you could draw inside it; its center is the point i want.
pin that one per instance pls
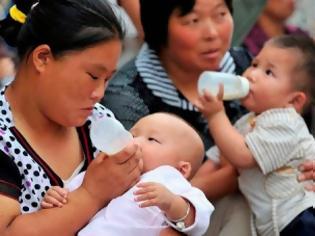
(251, 76)
(138, 140)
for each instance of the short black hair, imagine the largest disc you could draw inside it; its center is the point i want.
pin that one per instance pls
(155, 16)
(64, 25)
(305, 82)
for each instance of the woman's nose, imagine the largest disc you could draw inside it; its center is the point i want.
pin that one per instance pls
(210, 30)
(98, 92)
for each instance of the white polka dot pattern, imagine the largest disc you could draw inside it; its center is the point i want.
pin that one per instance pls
(35, 180)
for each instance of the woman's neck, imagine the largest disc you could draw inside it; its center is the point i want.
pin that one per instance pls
(26, 113)
(51, 141)
(184, 79)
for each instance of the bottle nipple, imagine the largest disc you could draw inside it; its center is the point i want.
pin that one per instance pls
(235, 86)
(108, 135)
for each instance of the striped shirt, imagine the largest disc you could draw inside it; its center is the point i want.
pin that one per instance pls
(279, 141)
(157, 80)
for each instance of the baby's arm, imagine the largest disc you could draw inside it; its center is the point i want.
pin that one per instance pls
(55, 197)
(230, 142)
(174, 206)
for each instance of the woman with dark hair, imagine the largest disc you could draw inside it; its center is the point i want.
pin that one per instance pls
(182, 39)
(68, 51)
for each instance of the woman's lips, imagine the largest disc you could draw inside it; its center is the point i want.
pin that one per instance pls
(88, 110)
(211, 54)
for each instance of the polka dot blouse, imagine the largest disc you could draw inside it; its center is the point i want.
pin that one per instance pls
(24, 175)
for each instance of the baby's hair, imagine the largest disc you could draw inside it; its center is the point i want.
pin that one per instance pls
(306, 46)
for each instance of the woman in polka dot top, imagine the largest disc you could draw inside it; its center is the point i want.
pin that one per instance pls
(68, 51)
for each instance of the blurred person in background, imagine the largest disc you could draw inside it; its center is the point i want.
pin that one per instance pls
(128, 12)
(182, 39)
(272, 22)
(4, 7)
(7, 63)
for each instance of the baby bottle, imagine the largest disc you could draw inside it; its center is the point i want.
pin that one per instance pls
(109, 135)
(235, 86)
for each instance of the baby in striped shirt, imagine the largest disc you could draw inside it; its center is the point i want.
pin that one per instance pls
(269, 143)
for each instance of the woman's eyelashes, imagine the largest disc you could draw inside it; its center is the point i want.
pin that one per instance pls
(96, 77)
(190, 19)
(220, 15)
(92, 76)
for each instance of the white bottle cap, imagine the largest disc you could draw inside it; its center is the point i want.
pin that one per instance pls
(235, 86)
(109, 135)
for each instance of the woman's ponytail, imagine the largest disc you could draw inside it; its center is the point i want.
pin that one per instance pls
(11, 25)
(63, 25)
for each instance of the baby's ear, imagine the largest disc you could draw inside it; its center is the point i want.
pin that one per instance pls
(184, 167)
(298, 101)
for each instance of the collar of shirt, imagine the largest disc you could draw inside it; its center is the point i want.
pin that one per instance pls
(156, 78)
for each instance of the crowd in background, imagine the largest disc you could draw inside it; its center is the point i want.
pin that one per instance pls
(144, 58)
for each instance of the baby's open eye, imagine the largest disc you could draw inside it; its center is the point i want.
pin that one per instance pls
(269, 72)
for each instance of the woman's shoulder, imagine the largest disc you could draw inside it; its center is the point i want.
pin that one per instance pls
(242, 58)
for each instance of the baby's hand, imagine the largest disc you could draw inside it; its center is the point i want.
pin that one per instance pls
(55, 197)
(209, 105)
(154, 194)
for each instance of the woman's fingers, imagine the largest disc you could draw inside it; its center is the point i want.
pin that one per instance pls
(125, 154)
(308, 174)
(121, 171)
(307, 171)
(307, 165)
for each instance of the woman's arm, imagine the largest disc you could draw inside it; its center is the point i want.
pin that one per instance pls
(132, 7)
(69, 218)
(216, 182)
(121, 170)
